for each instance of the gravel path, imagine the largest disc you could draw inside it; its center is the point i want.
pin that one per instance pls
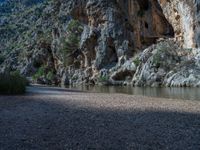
(59, 119)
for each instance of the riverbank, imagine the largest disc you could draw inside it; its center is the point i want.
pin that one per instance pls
(55, 118)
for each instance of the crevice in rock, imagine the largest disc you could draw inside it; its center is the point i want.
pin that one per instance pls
(147, 21)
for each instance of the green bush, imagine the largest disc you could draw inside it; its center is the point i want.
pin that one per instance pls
(74, 26)
(71, 42)
(12, 83)
(162, 48)
(39, 73)
(50, 75)
(45, 73)
(157, 60)
(136, 61)
(103, 78)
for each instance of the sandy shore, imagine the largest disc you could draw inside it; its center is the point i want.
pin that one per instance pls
(59, 119)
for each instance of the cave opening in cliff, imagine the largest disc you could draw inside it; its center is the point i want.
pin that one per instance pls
(146, 25)
(163, 22)
(113, 54)
(153, 24)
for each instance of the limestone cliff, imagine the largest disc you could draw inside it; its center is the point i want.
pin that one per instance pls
(184, 17)
(103, 41)
(120, 28)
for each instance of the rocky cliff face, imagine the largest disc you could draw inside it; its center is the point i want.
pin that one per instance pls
(181, 14)
(120, 28)
(105, 41)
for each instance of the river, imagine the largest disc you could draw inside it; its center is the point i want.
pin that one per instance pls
(165, 92)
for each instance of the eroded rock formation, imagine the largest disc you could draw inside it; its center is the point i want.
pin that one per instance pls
(114, 42)
(182, 15)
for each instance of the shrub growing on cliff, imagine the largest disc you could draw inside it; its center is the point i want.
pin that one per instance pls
(44, 73)
(39, 73)
(164, 50)
(2, 58)
(136, 61)
(12, 83)
(75, 26)
(103, 79)
(71, 42)
(50, 75)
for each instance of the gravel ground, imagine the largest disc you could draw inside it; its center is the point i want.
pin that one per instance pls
(59, 119)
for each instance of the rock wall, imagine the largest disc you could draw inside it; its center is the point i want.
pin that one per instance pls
(118, 28)
(148, 22)
(111, 43)
(182, 14)
(197, 24)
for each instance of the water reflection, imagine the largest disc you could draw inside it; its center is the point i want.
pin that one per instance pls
(172, 93)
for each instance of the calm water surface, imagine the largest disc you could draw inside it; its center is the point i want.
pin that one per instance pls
(172, 93)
